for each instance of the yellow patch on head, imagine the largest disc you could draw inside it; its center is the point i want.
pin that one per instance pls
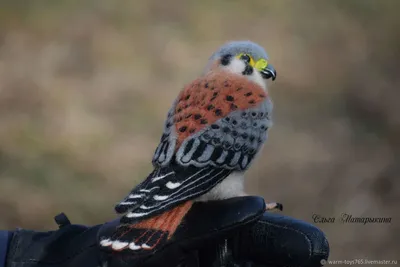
(260, 65)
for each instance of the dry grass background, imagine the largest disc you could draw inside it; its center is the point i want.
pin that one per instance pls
(85, 87)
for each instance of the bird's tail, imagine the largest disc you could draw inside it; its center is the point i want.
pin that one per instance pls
(149, 234)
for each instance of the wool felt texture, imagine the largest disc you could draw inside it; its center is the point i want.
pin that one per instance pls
(216, 126)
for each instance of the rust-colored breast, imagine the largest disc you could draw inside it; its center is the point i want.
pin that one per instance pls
(212, 97)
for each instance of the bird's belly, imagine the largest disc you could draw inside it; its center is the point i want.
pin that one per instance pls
(231, 186)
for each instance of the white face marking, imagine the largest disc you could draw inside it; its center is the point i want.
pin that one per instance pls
(237, 66)
(258, 79)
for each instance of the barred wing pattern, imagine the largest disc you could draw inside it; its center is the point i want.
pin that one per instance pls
(166, 148)
(216, 126)
(166, 188)
(231, 142)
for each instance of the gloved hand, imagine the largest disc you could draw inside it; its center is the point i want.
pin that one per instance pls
(234, 232)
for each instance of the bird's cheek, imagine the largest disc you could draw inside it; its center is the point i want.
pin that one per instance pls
(213, 66)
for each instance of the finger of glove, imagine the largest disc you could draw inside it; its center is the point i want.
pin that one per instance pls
(282, 241)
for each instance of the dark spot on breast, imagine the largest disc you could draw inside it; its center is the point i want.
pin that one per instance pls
(212, 98)
(259, 140)
(237, 146)
(168, 125)
(214, 126)
(243, 125)
(248, 94)
(215, 93)
(179, 110)
(229, 98)
(206, 85)
(186, 106)
(240, 88)
(254, 114)
(227, 119)
(210, 107)
(203, 121)
(192, 130)
(252, 102)
(218, 112)
(234, 122)
(182, 129)
(187, 97)
(235, 134)
(197, 116)
(255, 124)
(188, 116)
(262, 95)
(244, 114)
(252, 150)
(252, 137)
(233, 107)
(245, 135)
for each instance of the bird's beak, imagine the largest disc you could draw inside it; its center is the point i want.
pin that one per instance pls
(268, 72)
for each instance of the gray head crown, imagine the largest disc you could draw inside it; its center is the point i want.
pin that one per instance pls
(237, 47)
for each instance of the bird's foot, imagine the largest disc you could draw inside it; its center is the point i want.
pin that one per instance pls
(273, 206)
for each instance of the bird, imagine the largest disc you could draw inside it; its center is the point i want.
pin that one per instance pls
(214, 129)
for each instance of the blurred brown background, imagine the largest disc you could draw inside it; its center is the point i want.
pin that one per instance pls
(85, 87)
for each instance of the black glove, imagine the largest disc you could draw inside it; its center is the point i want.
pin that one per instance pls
(232, 232)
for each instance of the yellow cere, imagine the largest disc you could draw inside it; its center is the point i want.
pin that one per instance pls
(261, 64)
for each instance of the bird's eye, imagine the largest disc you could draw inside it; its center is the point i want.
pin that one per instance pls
(246, 58)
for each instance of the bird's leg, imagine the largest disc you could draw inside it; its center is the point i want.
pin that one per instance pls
(273, 206)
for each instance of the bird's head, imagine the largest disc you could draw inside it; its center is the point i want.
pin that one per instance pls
(243, 58)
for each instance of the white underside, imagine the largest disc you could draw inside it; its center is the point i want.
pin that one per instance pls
(231, 186)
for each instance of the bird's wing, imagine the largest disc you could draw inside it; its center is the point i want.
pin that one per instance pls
(166, 148)
(166, 188)
(217, 126)
(231, 142)
(221, 120)
(214, 105)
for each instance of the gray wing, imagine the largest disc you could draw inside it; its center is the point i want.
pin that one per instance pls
(166, 147)
(231, 142)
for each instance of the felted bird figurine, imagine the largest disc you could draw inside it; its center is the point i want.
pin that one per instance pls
(214, 130)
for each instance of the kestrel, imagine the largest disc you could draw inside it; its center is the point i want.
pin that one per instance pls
(214, 130)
